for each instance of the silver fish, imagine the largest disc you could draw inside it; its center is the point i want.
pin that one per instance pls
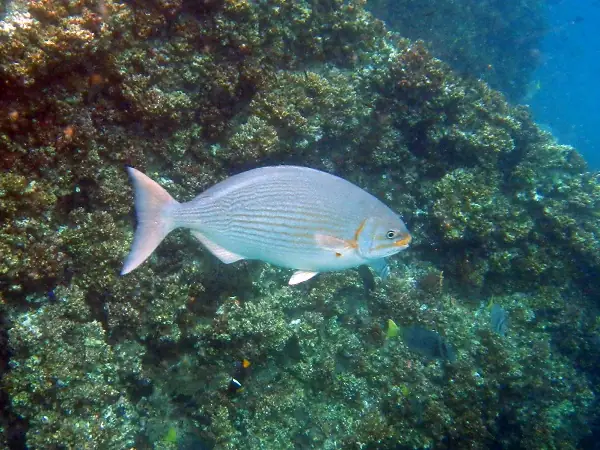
(293, 217)
(428, 343)
(499, 320)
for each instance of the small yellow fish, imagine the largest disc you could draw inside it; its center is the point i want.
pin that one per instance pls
(405, 390)
(392, 329)
(171, 436)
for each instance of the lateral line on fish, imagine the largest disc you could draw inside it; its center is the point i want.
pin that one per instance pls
(255, 224)
(283, 243)
(242, 218)
(301, 212)
(270, 194)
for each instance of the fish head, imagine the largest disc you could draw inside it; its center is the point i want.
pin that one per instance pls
(382, 236)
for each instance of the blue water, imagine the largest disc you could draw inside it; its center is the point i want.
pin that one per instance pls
(565, 89)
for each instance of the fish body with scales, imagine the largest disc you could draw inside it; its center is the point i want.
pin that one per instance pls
(293, 217)
(499, 319)
(428, 343)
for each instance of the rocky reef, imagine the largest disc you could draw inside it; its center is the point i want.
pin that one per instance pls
(191, 92)
(491, 40)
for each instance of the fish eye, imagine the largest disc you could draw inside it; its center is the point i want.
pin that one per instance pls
(391, 234)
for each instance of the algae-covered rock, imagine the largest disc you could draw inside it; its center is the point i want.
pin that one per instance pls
(192, 92)
(489, 40)
(64, 378)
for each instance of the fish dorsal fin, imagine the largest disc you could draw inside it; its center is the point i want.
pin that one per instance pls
(300, 276)
(335, 244)
(223, 254)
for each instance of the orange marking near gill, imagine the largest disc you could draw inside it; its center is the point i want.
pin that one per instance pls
(354, 242)
(359, 230)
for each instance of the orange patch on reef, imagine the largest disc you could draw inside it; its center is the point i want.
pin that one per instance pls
(69, 132)
(96, 80)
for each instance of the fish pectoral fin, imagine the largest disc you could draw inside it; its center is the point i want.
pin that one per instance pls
(381, 267)
(223, 254)
(335, 244)
(300, 276)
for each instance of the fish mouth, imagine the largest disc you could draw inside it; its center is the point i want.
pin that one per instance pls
(391, 248)
(404, 242)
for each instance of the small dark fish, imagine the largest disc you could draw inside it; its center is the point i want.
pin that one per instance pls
(428, 343)
(235, 386)
(367, 278)
(499, 320)
(241, 369)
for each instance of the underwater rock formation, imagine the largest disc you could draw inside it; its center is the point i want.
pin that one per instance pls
(191, 92)
(495, 41)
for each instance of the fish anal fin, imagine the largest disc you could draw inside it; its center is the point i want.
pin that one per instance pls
(222, 253)
(300, 276)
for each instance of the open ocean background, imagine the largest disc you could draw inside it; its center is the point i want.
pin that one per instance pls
(564, 93)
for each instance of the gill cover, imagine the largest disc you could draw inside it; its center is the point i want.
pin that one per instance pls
(380, 238)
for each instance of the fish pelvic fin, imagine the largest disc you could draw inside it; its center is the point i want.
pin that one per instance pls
(300, 276)
(154, 211)
(381, 267)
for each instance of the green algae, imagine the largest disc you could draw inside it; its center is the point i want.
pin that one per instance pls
(495, 206)
(62, 357)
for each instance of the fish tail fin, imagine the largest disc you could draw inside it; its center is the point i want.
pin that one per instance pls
(154, 211)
